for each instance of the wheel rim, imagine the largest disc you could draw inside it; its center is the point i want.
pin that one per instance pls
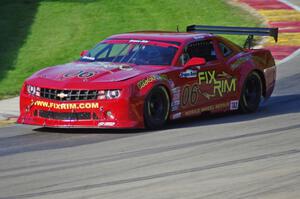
(157, 106)
(252, 92)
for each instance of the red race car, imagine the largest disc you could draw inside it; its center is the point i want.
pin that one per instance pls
(144, 79)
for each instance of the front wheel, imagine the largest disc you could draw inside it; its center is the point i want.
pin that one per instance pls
(251, 94)
(156, 108)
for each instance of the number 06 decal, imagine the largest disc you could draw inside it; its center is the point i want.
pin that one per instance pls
(190, 94)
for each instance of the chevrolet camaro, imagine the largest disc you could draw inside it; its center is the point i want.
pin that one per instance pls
(143, 79)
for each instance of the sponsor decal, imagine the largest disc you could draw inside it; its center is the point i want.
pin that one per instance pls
(176, 115)
(234, 105)
(221, 105)
(222, 83)
(62, 95)
(66, 106)
(138, 41)
(175, 99)
(239, 62)
(105, 65)
(171, 83)
(208, 96)
(190, 94)
(143, 83)
(175, 105)
(88, 58)
(188, 74)
(199, 37)
(80, 74)
(125, 67)
(108, 65)
(106, 124)
(206, 109)
(99, 65)
(176, 93)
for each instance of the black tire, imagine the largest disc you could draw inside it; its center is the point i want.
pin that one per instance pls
(251, 93)
(156, 108)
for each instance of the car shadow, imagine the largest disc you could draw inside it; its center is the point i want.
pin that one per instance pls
(52, 138)
(90, 130)
(276, 105)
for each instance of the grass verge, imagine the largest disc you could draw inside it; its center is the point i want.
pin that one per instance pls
(43, 33)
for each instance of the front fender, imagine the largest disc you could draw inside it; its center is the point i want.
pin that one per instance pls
(145, 85)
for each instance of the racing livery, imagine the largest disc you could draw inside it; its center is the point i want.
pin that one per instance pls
(144, 79)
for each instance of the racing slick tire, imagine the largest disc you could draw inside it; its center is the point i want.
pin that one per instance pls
(251, 93)
(156, 108)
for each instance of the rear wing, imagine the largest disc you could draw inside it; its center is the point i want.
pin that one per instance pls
(273, 32)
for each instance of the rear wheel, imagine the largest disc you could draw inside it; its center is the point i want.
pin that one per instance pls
(251, 93)
(156, 108)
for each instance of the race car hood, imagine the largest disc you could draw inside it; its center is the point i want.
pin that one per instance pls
(94, 72)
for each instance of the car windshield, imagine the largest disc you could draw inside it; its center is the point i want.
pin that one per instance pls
(139, 52)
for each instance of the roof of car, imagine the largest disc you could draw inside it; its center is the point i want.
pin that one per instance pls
(161, 35)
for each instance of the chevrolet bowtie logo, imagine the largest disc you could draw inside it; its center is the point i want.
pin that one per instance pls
(62, 95)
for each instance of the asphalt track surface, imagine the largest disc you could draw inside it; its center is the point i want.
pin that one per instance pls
(223, 156)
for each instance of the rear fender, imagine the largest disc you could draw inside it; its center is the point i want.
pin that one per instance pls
(260, 61)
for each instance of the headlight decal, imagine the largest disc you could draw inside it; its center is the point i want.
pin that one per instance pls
(33, 90)
(112, 94)
(109, 94)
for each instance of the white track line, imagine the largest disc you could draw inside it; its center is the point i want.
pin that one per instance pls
(291, 4)
(293, 55)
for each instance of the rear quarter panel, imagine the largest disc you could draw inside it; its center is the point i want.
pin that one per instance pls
(259, 60)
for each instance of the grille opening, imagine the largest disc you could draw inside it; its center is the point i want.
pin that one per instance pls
(68, 95)
(65, 115)
(95, 117)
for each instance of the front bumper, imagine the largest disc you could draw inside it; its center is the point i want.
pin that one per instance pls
(124, 113)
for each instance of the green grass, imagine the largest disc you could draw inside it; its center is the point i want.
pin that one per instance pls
(35, 34)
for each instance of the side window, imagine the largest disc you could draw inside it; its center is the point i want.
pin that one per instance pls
(204, 49)
(225, 50)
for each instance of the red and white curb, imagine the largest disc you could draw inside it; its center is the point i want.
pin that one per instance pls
(285, 16)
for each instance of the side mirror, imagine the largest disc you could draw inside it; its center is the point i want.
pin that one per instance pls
(195, 61)
(83, 53)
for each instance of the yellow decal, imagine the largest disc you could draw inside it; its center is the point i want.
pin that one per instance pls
(207, 108)
(67, 106)
(143, 83)
(208, 96)
(222, 83)
(224, 75)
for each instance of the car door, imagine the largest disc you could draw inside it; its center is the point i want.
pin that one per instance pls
(197, 81)
(229, 78)
(205, 87)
